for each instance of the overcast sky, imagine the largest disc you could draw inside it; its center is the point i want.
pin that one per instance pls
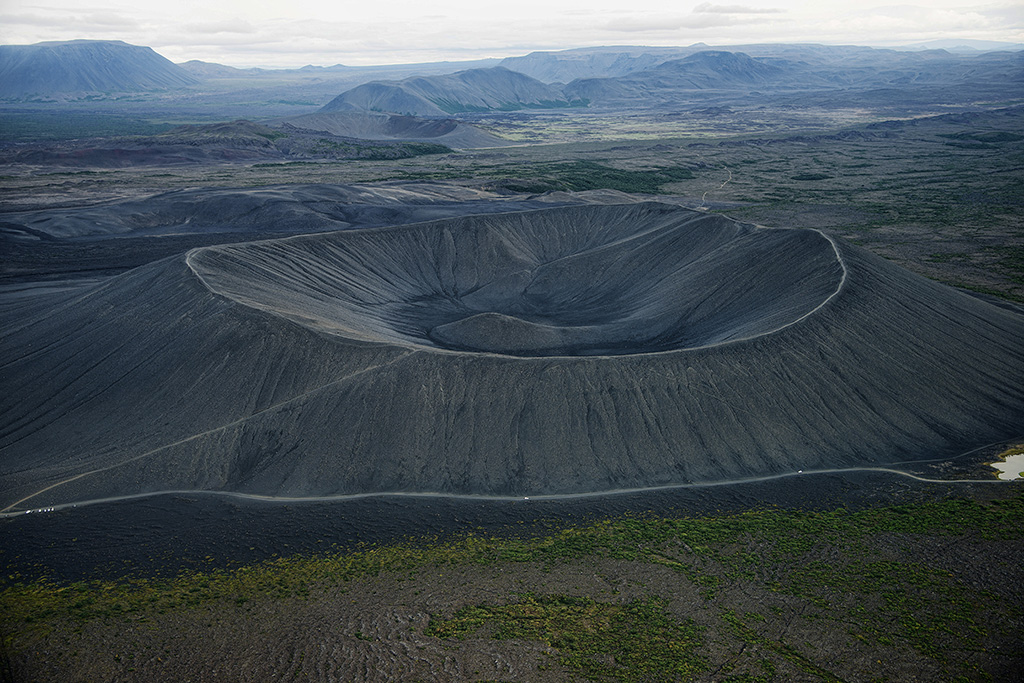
(288, 34)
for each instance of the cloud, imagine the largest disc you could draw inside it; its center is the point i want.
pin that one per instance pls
(109, 20)
(23, 20)
(225, 26)
(53, 25)
(708, 8)
(906, 21)
(1007, 15)
(703, 16)
(673, 22)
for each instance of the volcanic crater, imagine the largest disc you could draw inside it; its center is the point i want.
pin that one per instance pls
(621, 280)
(579, 349)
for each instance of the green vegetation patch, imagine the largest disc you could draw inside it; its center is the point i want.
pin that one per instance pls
(989, 136)
(572, 176)
(740, 628)
(638, 641)
(948, 256)
(777, 534)
(376, 152)
(40, 126)
(981, 141)
(1011, 261)
(1013, 450)
(577, 176)
(852, 576)
(911, 604)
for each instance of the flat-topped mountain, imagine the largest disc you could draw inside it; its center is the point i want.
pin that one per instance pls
(85, 66)
(708, 70)
(717, 69)
(473, 90)
(563, 66)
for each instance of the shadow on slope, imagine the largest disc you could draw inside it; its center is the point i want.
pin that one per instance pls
(369, 125)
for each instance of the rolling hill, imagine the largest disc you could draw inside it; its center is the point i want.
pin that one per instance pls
(473, 90)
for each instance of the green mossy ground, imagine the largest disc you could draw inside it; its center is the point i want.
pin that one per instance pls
(762, 595)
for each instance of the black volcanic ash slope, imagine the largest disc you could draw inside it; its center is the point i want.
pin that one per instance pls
(567, 350)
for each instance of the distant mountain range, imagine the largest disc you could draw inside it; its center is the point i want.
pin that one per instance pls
(832, 62)
(609, 77)
(205, 70)
(965, 45)
(775, 69)
(208, 70)
(85, 66)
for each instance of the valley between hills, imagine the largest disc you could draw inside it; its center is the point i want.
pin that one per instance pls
(609, 364)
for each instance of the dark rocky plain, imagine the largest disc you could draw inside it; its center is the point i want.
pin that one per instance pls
(220, 351)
